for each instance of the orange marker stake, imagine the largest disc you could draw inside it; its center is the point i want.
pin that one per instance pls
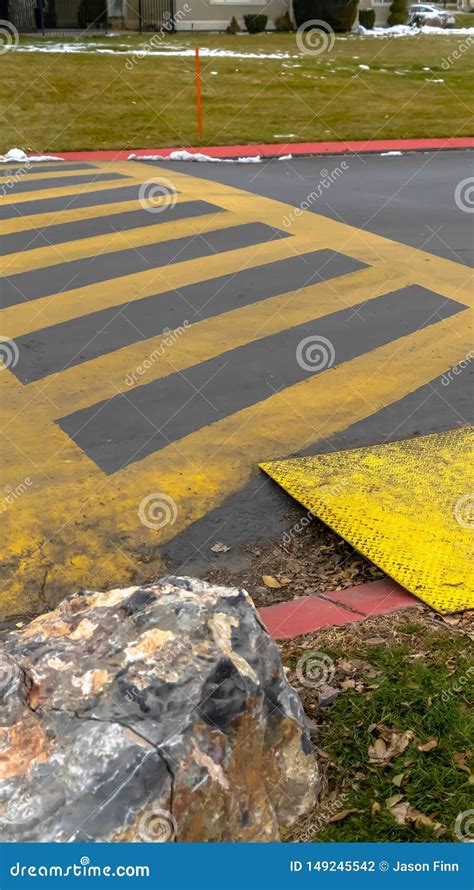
(198, 94)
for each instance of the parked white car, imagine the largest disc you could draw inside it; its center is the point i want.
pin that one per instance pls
(428, 14)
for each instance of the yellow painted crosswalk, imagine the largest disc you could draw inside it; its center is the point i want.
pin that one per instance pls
(68, 522)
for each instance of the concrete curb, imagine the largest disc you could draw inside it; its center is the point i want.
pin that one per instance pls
(309, 613)
(280, 149)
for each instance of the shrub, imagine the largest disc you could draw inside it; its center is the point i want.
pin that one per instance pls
(367, 18)
(233, 27)
(340, 15)
(284, 23)
(398, 12)
(255, 23)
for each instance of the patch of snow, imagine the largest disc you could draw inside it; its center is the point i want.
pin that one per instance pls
(285, 158)
(135, 52)
(18, 155)
(386, 154)
(408, 31)
(364, 67)
(197, 156)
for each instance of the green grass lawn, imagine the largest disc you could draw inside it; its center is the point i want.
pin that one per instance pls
(407, 674)
(53, 102)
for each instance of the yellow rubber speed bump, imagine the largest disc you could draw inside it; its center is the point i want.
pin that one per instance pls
(407, 506)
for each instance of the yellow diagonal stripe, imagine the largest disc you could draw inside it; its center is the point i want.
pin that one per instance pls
(68, 251)
(105, 376)
(90, 527)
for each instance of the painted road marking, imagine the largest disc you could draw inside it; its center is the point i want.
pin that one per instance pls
(56, 347)
(408, 506)
(169, 409)
(59, 180)
(44, 199)
(67, 523)
(177, 242)
(93, 227)
(120, 371)
(81, 204)
(36, 169)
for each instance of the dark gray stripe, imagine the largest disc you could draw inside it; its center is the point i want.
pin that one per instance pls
(91, 270)
(102, 225)
(43, 168)
(81, 339)
(38, 185)
(128, 427)
(70, 202)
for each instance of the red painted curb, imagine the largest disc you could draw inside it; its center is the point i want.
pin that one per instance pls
(277, 149)
(309, 613)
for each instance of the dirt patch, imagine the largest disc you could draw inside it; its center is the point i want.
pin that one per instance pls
(309, 558)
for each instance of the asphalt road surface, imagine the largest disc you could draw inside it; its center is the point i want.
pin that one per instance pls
(168, 327)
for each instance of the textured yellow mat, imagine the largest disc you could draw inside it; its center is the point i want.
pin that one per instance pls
(407, 506)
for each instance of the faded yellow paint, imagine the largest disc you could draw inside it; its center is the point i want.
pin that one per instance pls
(64, 191)
(71, 525)
(105, 376)
(408, 506)
(111, 242)
(71, 214)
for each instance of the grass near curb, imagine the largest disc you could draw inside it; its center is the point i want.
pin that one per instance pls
(408, 674)
(53, 102)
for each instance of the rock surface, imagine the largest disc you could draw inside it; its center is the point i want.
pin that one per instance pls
(157, 713)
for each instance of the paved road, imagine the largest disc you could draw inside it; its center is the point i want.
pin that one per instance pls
(165, 337)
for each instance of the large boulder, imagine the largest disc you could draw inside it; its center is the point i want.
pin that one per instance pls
(148, 714)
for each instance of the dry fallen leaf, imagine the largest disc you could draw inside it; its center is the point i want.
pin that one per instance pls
(376, 807)
(269, 581)
(397, 780)
(460, 761)
(347, 684)
(392, 801)
(429, 745)
(377, 751)
(399, 810)
(338, 817)
(389, 744)
(219, 547)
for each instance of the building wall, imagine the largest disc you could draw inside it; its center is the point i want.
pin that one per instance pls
(208, 15)
(381, 9)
